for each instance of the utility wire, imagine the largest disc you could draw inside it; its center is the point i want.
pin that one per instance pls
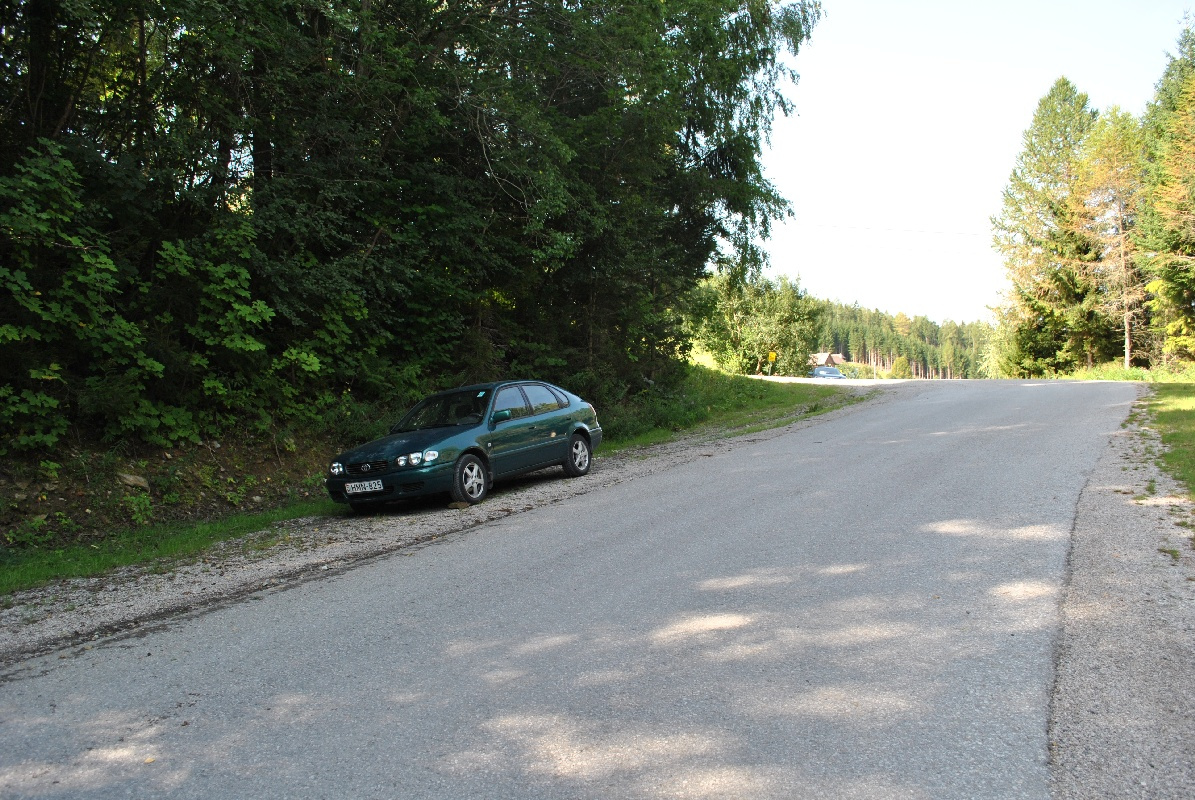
(890, 230)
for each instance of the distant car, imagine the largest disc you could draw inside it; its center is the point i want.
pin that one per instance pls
(461, 440)
(826, 372)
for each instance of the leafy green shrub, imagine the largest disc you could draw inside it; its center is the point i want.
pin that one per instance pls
(32, 532)
(139, 507)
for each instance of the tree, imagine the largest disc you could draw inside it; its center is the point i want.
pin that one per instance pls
(740, 323)
(1051, 300)
(270, 204)
(1104, 208)
(1165, 234)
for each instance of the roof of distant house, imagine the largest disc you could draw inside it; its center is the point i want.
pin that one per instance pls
(826, 359)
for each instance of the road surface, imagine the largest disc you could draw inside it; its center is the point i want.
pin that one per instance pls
(866, 607)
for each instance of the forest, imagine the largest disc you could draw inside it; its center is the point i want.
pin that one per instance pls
(219, 215)
(740, 321)
(1097, 231)
(226, 216)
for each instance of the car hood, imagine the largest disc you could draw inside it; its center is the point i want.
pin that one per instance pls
(397, 444)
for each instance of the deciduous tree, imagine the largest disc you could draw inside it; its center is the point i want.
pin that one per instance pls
(1104, 207)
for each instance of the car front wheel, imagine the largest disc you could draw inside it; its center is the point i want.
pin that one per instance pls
(469, 481)
(579, 457)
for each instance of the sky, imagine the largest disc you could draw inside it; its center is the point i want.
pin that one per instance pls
(909, 119)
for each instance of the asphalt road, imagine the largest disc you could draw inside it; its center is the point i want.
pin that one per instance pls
(862, 608)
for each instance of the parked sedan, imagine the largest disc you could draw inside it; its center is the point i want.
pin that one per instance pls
(462, 440)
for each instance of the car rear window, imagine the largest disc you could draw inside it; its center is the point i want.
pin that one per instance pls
(541, 397)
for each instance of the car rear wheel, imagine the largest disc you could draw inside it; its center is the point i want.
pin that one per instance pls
(579, 457)
(469, 482)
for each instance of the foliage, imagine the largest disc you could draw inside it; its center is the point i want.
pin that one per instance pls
(1051, 304)
(1168, 224)
(1105, 206)
(1096, 232)
(705, 396)
(216, 213)
(742, 321)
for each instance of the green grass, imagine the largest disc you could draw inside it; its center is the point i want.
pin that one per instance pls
(1115, 371)
(709, 398)
(1172, 410)
(26, 568)
(706, 398)
(1173, 407)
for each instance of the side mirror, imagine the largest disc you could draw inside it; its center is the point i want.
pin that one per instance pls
(500, 416)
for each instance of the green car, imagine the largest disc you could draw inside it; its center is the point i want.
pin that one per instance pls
(461, 440)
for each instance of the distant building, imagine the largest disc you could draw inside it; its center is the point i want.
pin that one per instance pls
(826, 359)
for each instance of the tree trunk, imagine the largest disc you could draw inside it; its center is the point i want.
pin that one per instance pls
(1128, 339)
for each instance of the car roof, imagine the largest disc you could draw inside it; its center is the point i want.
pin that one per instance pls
(489, 387)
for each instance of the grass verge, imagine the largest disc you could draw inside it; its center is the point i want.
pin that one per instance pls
(706, 398)
(26, 568)
(1181, 373)
(709, 398)
(1173, 407)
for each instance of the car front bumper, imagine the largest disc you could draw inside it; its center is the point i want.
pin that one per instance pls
(395, 485)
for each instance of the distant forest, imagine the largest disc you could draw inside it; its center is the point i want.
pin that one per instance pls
(947, 350)
(222, 214)
(739, 322)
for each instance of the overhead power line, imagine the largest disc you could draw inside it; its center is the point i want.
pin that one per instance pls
(892, 230)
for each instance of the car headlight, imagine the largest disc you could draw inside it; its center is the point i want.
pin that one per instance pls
(337, 468)
(415, 459)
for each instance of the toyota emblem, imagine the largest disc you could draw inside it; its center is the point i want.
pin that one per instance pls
(365, 468)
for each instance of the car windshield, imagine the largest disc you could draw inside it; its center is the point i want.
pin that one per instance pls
(445, 410)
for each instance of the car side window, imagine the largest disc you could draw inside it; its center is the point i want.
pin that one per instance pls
(542, 399)
(563, 400)
(511, 399)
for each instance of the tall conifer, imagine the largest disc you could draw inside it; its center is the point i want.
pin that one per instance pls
(1051, 305)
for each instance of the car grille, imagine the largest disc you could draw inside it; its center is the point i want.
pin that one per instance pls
(411, 487)
(367, 467)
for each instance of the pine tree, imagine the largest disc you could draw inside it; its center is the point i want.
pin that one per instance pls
(1051, 303)
(1167, 222)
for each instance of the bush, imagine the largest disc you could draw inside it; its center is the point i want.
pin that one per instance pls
(1179, 372)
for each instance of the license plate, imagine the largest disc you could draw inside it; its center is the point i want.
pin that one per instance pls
(363, 486)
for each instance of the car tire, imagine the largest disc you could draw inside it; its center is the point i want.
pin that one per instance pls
(579, 457)
(470, 483)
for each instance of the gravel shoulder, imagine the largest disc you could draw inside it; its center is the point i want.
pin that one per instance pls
(1122, 721)
(1122, 716)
